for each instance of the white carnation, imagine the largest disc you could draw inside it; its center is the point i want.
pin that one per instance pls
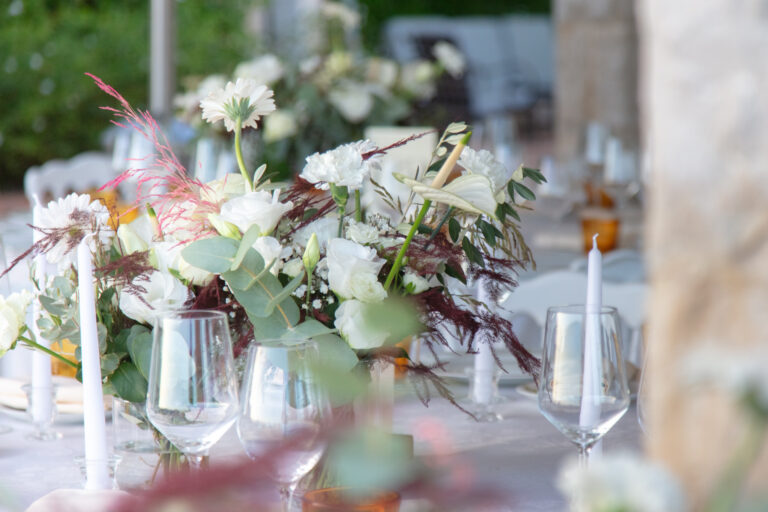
(350, 321)
(162, 292)
(343, 166)
(254, 208)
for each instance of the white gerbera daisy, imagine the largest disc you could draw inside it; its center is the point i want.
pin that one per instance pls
(77, 215)
(343, 166)
(244, 101)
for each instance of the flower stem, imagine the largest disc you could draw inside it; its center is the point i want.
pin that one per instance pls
(401, 254)
(358, 209)
(239, 155)
(440, 225)
(342, 209)
(48, 351)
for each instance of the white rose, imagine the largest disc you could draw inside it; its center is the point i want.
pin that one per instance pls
(280, 125)
(324, 228)
(163, 291)
(166, 255)
(293, 267)
(366, 287)
(270, 250)
(419, 283)
(350, 321)
(362, 233)
(254, 208)
(382, 72)
(12, 318)
(353, 101)
(347, 259)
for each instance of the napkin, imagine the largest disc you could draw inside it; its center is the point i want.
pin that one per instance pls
(69, 395)
(76, 500)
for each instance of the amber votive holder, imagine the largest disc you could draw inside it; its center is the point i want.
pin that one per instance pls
(341, 499)
(602, 222)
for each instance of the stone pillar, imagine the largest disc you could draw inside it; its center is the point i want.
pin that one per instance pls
(596, 73)
(706, 122)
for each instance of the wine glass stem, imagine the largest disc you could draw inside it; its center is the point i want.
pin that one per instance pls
(286, 494)
(584, 455)
(195, 462)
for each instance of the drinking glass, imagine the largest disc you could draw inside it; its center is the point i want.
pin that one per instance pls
(583, 387)
(282, 402)
(192, 392)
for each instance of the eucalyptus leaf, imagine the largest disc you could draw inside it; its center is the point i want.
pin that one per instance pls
(140, 349)
(249, 238)
(212, 254)
(285, 293)
(52, 306)
(109, 363)
(128, 382)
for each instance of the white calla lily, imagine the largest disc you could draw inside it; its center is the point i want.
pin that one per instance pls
(472, 193)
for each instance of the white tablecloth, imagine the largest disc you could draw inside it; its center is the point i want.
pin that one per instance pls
(519, 455)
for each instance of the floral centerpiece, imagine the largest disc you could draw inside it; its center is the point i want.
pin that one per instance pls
(288, 260)
(329, 97)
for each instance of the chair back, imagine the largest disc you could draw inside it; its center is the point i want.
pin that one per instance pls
(57, 178)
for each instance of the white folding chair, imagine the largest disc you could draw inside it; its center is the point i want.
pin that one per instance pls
(57, 178)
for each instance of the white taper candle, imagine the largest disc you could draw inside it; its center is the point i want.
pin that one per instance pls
(590, 397)
(482, 388)
(97, 475)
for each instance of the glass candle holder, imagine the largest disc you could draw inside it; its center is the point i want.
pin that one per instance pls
(42, 421)
(340, 499)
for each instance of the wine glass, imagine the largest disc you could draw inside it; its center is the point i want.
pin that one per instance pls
(583, 389)
(192, 393)
(281, 402)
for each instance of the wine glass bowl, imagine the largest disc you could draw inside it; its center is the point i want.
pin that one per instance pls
(192, 392)
(583, 388)
(283, 408)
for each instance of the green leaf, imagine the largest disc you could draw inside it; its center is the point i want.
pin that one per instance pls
(473, 253)
(250, 236)
(129, 383)
(109, 363)
(454, 228)
(456, 274)
(285, 293)
(456, 127)
(489, 231)
(270, 327)
(524, 191)
(308, 329)
(248, 273)
(52, 306)
(212, 254)
(140, 349)
(534, 174)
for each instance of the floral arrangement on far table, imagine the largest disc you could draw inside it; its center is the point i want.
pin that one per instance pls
(328, 98)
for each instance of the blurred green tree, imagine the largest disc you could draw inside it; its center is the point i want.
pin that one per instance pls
(49, 109)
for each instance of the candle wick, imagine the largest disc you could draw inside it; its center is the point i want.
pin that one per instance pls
(594, 241)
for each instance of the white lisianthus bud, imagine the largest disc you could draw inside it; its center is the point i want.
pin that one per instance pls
(414, 283)
(137, 235)
(350, 321)
(311, 254)
(224, 228)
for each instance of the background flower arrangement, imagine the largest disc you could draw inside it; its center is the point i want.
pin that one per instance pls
(329, 97)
